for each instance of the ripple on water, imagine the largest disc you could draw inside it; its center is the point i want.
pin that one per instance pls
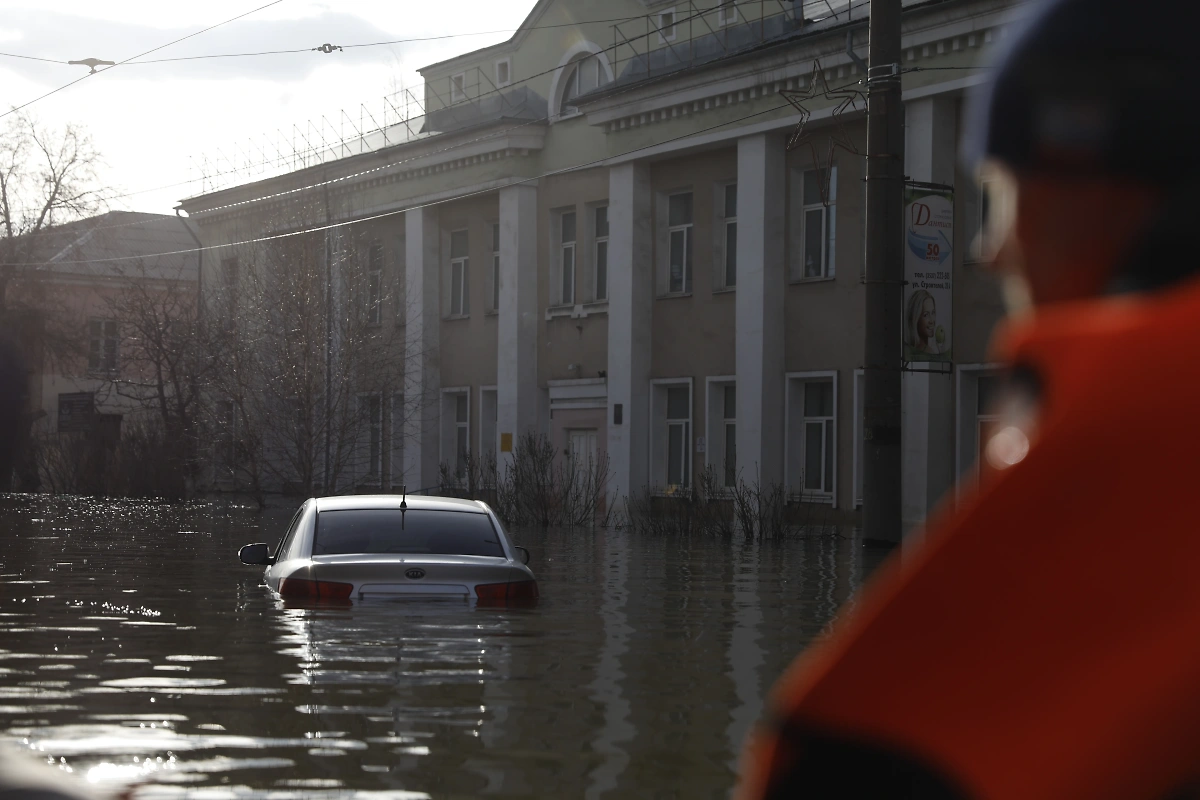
(642, 647)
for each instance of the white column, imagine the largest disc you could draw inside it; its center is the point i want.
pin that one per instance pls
(516, 346)
(422, 374)
(927, 406)
(630, 298)
(759, 308)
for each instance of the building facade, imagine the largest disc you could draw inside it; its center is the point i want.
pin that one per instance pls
(598, 231)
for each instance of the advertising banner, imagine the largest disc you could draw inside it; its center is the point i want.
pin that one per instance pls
(928, 273)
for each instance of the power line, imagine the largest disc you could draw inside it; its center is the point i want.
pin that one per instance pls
(633, 86)
(33, 58)
(139, 55)
(849, 10)
(317, 229)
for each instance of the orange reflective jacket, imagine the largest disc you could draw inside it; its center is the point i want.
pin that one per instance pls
(1044, 640)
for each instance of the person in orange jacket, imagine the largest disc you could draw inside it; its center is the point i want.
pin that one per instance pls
(1043, 640)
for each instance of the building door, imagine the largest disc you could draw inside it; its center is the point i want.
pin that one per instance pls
(582, 445)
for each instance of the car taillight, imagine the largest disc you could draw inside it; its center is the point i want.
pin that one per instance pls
(302, 589)
(507, 593)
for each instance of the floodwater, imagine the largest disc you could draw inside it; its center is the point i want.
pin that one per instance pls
(136, 651)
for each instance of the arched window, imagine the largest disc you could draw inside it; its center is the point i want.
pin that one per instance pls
(583, 74)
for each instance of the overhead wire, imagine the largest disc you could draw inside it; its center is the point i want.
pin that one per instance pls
(849, 10)
(495, 134)
(139, 55)
(384, 214)
(467, 101)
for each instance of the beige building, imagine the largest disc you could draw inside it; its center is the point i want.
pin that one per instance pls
(597, 231)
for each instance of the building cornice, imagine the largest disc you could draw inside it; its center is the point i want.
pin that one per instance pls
(929, 36)
(414, 160)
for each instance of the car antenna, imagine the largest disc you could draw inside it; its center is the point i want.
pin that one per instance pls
(403, 503)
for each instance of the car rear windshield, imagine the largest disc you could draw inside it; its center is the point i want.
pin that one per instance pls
(389, 530)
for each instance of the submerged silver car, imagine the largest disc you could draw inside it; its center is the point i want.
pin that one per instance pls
(355, 547)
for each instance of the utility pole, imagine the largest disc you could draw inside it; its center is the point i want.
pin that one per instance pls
(885, 277)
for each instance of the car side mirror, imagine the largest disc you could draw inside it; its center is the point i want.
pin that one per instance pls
(256, 554)
(522, 554)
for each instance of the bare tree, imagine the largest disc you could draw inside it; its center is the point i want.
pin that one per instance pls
(47, 177)
(313, 364)
(171, 359)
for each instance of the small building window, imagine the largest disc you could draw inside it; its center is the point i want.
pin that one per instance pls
(666, 25)
(103, 341)
(679, 243)
(503, 72)
(727, 12)
(584, 74)
(458, 87)
(729, 231)
(567, 257)
(812, 436)
(600, 254)
(671, 434)
(813, 224)
(729, 420)
(496, 266)
(459, 275)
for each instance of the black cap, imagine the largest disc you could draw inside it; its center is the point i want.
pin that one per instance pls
(1093, 87)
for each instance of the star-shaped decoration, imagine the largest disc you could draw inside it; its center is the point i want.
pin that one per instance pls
(847, 97)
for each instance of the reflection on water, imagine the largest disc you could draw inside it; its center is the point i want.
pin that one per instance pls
(135, 649)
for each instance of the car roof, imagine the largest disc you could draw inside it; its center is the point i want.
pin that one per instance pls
(413, 502)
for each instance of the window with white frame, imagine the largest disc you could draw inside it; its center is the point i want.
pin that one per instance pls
(728, 233)
(459, 275)
(495, 266)
(671, 434)
(103, 341)
(726, 12)
(373, 290)
(812, 436)
(584, 74)
(666, 25)
(503, 72)
(679, 243)
(370, 421)
(600, 254)
(721, 429)
(729, 434)
(396, 451)
(813, 223)
(458, 87)
(566, 258)
(679, 436)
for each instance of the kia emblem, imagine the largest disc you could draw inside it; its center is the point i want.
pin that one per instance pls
(415, 574)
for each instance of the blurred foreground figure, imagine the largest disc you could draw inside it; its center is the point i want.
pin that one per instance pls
(1044, 639)
(23, 777)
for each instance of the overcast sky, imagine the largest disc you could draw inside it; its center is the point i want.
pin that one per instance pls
(153, 122)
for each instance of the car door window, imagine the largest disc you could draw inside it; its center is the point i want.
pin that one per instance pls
(294, 526)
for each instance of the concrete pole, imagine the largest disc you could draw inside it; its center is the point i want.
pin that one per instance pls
(885, 275)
